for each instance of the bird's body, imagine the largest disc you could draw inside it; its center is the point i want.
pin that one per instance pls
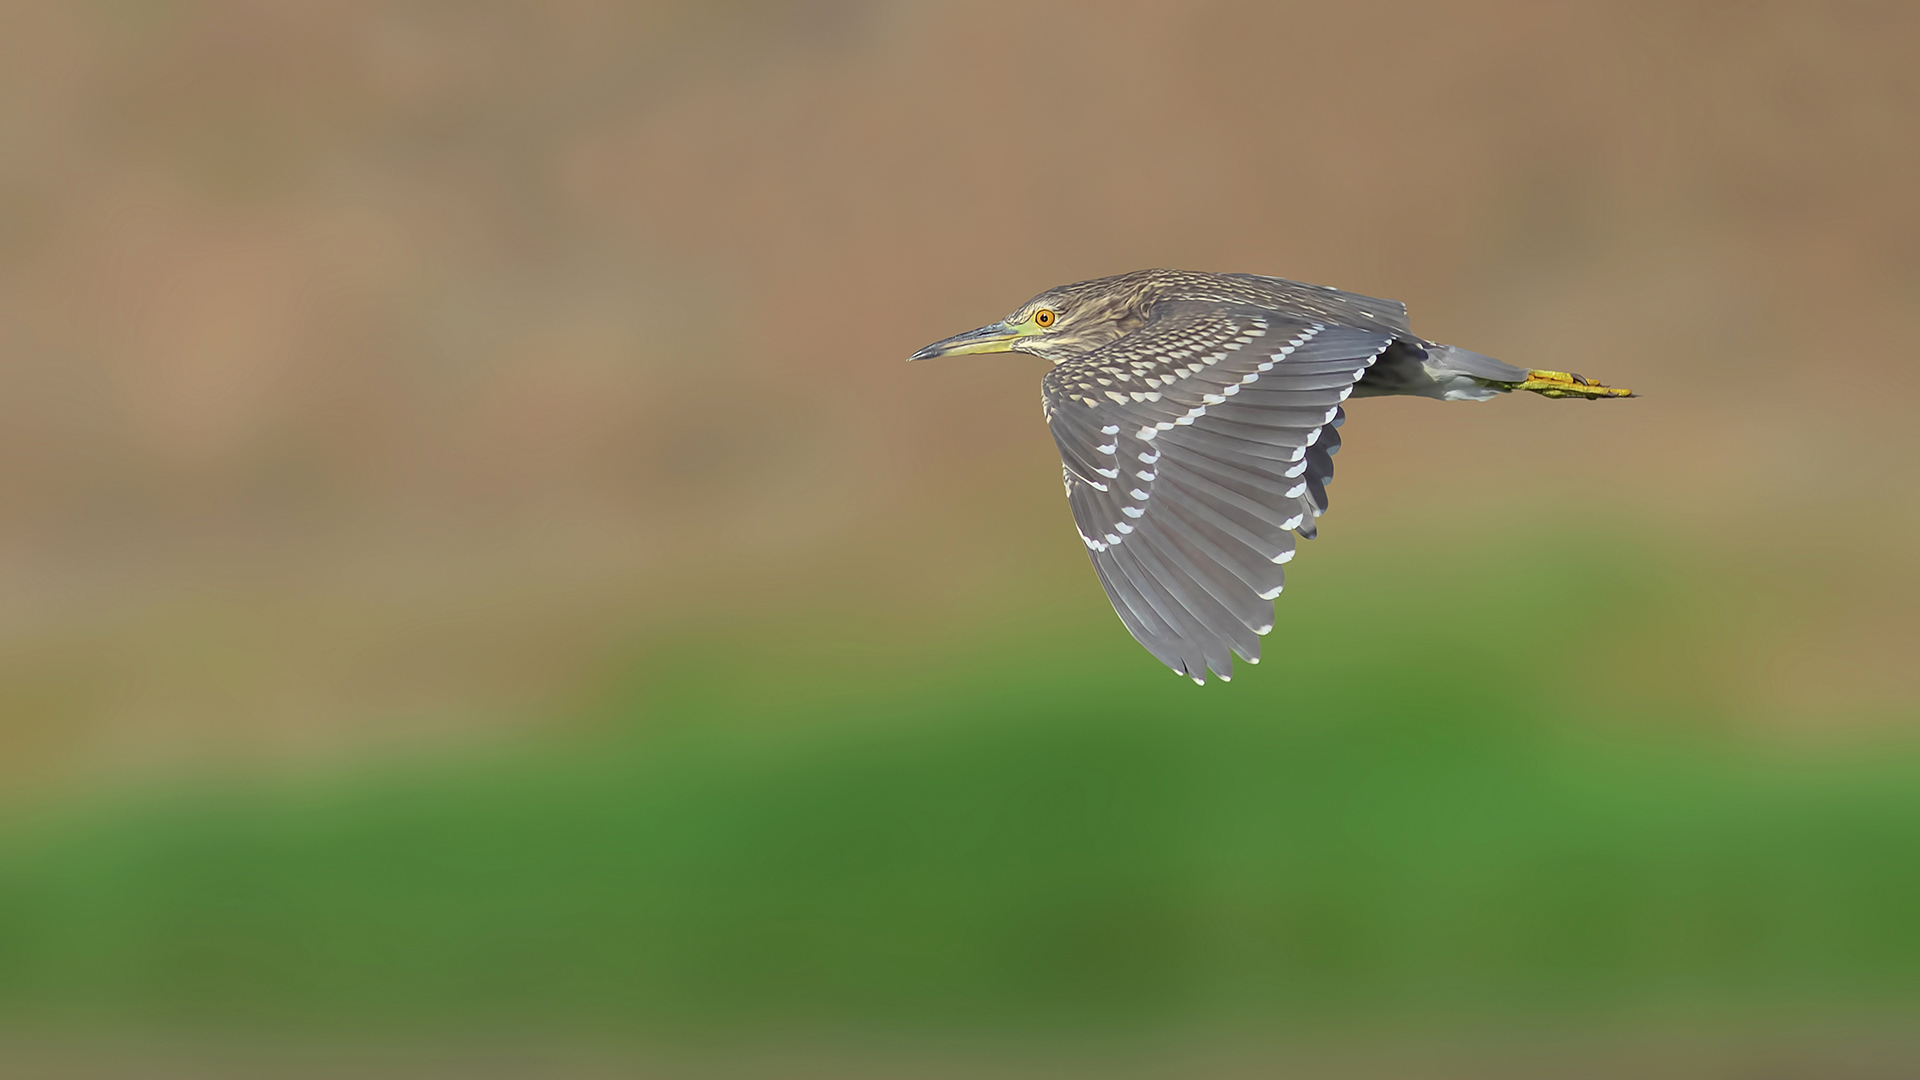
(1196, 418)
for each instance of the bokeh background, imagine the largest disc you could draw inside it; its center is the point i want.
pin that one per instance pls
(480, 593)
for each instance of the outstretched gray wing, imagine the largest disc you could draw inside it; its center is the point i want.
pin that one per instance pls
(1193, 449)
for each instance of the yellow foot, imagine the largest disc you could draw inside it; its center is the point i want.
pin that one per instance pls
(1561, 384)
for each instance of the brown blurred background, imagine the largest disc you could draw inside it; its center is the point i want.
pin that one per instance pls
(379, 374)
(370, 367)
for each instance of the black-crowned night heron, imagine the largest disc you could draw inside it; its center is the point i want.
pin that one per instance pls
(1195, 416)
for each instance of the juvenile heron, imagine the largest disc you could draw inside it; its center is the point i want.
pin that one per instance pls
(1196, 414)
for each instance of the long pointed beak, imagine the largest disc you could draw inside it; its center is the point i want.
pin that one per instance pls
(995, 337)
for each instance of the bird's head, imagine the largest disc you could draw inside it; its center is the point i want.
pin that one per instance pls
(1057, 325)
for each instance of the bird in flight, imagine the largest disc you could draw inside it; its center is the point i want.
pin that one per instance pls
(1196, 417)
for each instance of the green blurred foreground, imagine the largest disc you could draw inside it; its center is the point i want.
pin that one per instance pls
(1389, 818)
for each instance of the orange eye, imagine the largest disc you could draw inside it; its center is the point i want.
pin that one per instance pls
(1043, 317)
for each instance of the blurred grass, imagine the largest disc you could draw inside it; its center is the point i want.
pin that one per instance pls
(1395, 816)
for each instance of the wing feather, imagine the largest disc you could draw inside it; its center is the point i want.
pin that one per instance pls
(1274, 546)
(1223, 632)
(1193, 449)
(1185, 636)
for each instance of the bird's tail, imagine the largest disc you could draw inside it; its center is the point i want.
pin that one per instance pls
(1484, 371)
